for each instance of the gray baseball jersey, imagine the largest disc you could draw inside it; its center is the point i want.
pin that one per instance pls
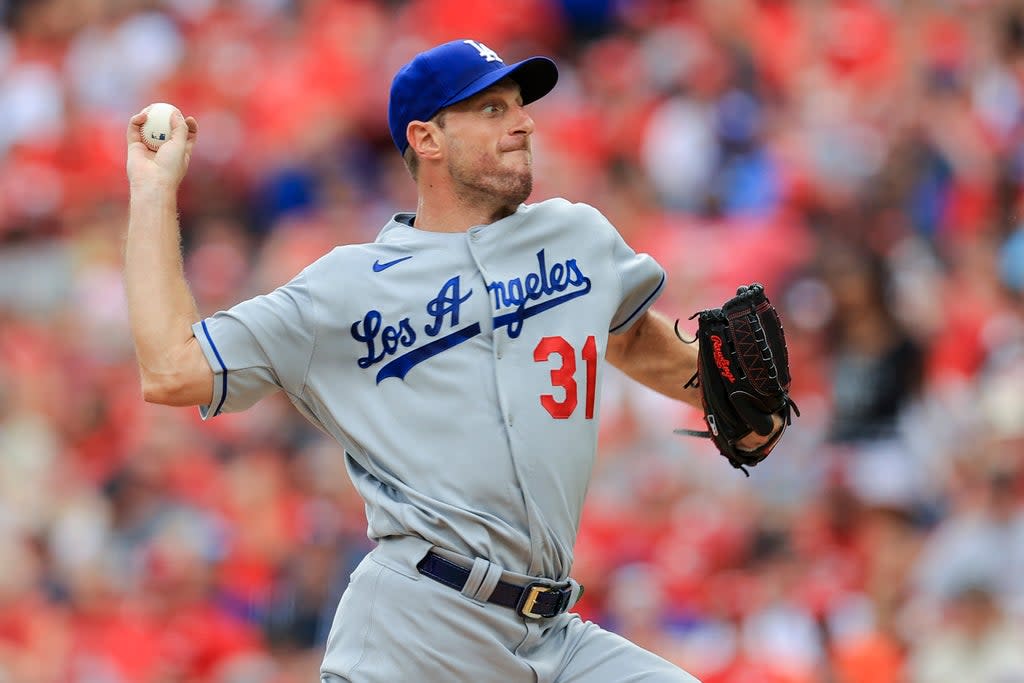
(460, 371)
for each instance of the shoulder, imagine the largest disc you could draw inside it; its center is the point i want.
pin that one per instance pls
(559, 207)
(338, 257)
(342, 263)
(574, 220)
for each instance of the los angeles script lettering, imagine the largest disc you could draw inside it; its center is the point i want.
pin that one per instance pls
(383, 339)
(518, 292)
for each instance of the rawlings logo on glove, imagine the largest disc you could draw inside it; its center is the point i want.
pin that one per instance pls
(743, 375)
(720, 361)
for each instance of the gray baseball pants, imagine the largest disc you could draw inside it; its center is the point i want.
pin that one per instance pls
(394, 625)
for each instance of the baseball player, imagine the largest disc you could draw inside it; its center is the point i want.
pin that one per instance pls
(457, 359)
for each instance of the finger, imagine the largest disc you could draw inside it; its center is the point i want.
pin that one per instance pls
(751, 441)
(179, 136)
(178, 126)
(134, 131)
(192, 126)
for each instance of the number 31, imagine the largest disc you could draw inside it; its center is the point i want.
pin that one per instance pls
(564, 375)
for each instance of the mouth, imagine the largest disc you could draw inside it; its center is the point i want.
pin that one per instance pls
(522, 146)
(524, 150)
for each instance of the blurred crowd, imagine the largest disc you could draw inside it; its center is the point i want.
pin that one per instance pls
(862, 158)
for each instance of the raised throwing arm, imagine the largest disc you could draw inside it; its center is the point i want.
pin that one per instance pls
(161, 309)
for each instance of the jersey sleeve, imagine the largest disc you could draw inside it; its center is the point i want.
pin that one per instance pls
(642, 279)
(258, 346)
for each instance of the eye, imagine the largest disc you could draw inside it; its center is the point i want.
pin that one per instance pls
(491, 108)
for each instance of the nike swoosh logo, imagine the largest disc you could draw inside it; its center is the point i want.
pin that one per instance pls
(378, 266)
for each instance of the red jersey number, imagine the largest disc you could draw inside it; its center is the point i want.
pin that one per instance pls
(564, 376)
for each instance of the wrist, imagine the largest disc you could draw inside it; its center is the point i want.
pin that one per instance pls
(147, 202)
(153, 190)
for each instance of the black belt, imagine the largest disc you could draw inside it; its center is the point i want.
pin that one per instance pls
(535, 600)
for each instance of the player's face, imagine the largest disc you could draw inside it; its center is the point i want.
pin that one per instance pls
(488, 144)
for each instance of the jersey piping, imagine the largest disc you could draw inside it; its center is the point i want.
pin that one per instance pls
(224, 371)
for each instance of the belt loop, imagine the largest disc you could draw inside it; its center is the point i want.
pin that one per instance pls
(490, 580)
(475, 578)
(482, 579)
(575, 594)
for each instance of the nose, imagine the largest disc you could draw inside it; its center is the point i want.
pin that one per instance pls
(523, 124)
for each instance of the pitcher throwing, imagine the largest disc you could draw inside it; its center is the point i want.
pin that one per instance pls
(457, 359)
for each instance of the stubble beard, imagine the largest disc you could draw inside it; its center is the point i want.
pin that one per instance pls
(503, 188)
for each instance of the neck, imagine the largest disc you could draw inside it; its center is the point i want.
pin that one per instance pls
(442, 209)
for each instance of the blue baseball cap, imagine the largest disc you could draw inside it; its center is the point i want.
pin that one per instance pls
(456, 71)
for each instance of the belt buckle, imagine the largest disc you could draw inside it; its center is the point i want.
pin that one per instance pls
(530, 594)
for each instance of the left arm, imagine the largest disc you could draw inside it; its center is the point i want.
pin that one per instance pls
(650, 353)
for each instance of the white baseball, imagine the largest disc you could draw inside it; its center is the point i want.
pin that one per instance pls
(157, 128)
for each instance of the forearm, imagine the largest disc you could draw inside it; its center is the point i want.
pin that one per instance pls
(652, 354)
(161, 308)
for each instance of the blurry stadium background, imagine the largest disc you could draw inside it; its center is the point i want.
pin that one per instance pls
(863, 158)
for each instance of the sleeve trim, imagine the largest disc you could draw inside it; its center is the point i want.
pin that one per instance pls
(641, 307)
(224, 370)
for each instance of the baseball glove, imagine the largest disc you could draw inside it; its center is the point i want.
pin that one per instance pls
(742, 374)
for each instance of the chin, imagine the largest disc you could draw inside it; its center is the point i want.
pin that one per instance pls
(521, 194)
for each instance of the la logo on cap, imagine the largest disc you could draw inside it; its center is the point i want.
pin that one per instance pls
(485, 52)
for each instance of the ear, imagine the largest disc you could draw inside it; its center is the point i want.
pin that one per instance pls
(425, 139)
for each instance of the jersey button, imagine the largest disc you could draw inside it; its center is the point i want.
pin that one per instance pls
(510, 421)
